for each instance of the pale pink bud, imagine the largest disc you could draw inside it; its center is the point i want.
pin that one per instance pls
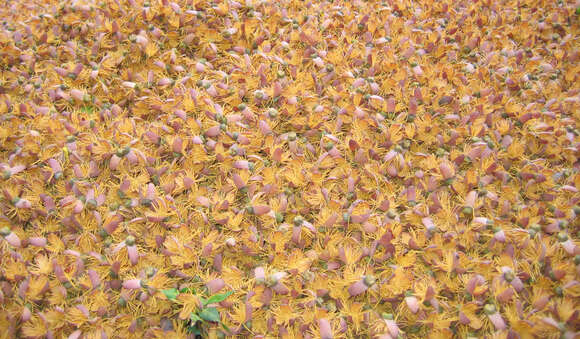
(569, 247)
(517, 284)
(133, 254)
(505, 296)
(428, 223)
(37, 241)
(446, 171)
(22, 203)
(261, 210)
(392, 327)
(325, 329)
(164, 82)
(215, 285)
(154, 138)
(213, 131)
(54, 165)
(357, 288)
(238, 181)
(391, 104)
(260, 275)
(264, 127)
(77, 94)
(187, 182)
(132, 157)
(11, 238)
(203, 201)
(75, 335)
(26, 314)
(463, 319)
(112, 225)
(78, 207)
(418, 70)
(58, 272)
(470, 199)
(241, 164)
(280, 288)
(412, 303)
(132, 284)
(94, 277)
(497, 321)
(358, 82)
(114, 162)
(128, 84)
(116, 109)
(499, 236)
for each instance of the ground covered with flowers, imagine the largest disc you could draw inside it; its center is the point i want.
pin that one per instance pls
(323, 169)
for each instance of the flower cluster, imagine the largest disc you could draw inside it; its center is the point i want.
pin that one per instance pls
(337, 168)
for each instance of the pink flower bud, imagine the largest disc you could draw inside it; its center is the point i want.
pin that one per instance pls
(10, 237)
(264, 127)
(261, 210)
(260, 275)
(154, 138)
(187, 182)
(412, 303)
(495, 318)
(418, 70)
(241, 164)
(470, 199)
(325, 329)
(446, 171)
(77, 94)
(505, 296)
(392, 327)
(570, 247)
(114, 162)
(26, 314)
(54, 165)
(213, 131)
(215, 285)
(132, 284)
(391, 104)
(357, 288)
(280, 288)
(499, 236)
(37, 241)
(94, 277)
(113, 224)
(133, 254)
(463, 319)
(58, 272)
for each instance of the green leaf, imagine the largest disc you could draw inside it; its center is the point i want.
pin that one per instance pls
(225, 327)
(217, 298)
(171, 293)
(187, 290)
(194, 330)
(210, 314)
(88, 109)
(194, 318)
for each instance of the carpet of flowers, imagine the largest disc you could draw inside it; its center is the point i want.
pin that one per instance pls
(296, 169)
